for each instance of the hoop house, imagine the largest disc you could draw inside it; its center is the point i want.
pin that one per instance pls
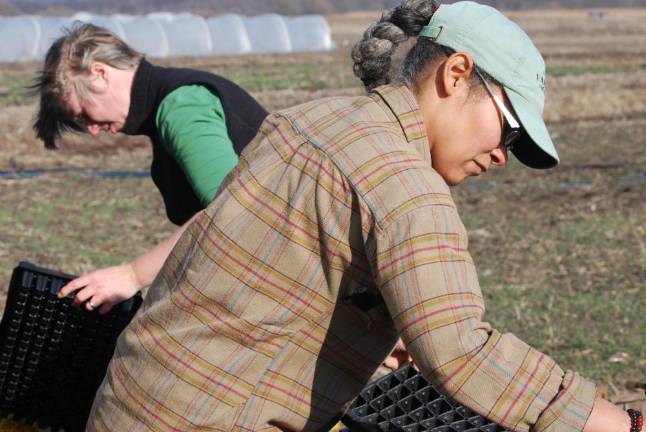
(20, 36)
(51, 28)
(166, 34)
(187, 34)
(109, 22)
(309, 33)
(145, 35)
(268, 34)
(228, 35)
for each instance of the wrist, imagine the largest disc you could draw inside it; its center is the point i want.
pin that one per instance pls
(636, 420)
(131, 268)
(607, 417)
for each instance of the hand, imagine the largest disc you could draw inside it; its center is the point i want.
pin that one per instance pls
(398, 357)
(607, 417)
(105, 287)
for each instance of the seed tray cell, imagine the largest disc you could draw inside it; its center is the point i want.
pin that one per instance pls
(404, 401)
(53, 353)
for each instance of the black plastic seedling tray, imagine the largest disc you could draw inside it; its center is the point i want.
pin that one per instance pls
(405, 401)
(53, 354)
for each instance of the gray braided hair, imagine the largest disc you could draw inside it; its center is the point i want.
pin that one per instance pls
(372, 55)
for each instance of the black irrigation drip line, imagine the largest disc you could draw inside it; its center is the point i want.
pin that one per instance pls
(25, 174)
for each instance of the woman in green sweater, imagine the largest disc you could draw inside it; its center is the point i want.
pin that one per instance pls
(198, 123)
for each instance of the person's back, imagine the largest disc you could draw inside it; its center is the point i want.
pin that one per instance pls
(271, 282)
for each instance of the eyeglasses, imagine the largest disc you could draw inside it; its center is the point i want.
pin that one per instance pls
(512, 129)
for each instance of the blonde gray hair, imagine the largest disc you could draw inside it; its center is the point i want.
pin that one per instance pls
(67, 67)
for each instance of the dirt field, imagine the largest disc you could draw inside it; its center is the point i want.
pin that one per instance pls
(561, 254)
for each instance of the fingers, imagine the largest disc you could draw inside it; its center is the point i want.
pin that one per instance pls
(89, 305)
(86, 294)
(92, 299)
(102, 289)
(398, 357)
(391, 362)
(94, 304)
(74, 285)
(105, 308)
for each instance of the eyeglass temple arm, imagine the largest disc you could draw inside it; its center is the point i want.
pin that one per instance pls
(508, 115)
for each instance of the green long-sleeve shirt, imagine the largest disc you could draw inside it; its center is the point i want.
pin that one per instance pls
(192, 128)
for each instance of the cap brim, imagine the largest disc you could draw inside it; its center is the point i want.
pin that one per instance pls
(534, 147)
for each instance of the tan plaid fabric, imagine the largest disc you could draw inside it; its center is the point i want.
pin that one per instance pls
(331, 238)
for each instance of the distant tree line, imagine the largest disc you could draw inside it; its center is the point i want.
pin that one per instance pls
(254, 7)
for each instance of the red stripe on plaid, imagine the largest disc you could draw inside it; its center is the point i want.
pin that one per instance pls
(143, 406)
(524, 389)
(439, 311)
(418, 251)
(188, 365)
(382, 166)
(253, 272)
(226, 323)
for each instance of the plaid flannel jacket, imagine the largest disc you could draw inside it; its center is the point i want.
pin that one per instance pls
(331, 238)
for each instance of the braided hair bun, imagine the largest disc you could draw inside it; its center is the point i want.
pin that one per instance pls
(372, 55)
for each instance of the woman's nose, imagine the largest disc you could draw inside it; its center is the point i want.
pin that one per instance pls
(93, 129)
(499, 156)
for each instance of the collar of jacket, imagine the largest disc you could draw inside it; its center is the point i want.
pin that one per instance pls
(401, 101)
(143, 99)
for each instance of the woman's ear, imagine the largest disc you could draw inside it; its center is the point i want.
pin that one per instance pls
(99, 70)
(100, 77)
(455, 73)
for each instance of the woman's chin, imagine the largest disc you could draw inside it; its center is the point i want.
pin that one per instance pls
(455, 178)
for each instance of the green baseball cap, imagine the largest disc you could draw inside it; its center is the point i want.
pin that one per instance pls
(503, 50)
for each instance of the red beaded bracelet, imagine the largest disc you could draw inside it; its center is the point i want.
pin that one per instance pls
(636, 420)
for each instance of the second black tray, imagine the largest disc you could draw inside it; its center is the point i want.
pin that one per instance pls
(405, 401)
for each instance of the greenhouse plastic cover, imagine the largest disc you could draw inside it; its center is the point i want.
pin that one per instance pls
(170, 35)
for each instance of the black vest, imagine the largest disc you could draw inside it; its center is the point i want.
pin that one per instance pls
(151, 85)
